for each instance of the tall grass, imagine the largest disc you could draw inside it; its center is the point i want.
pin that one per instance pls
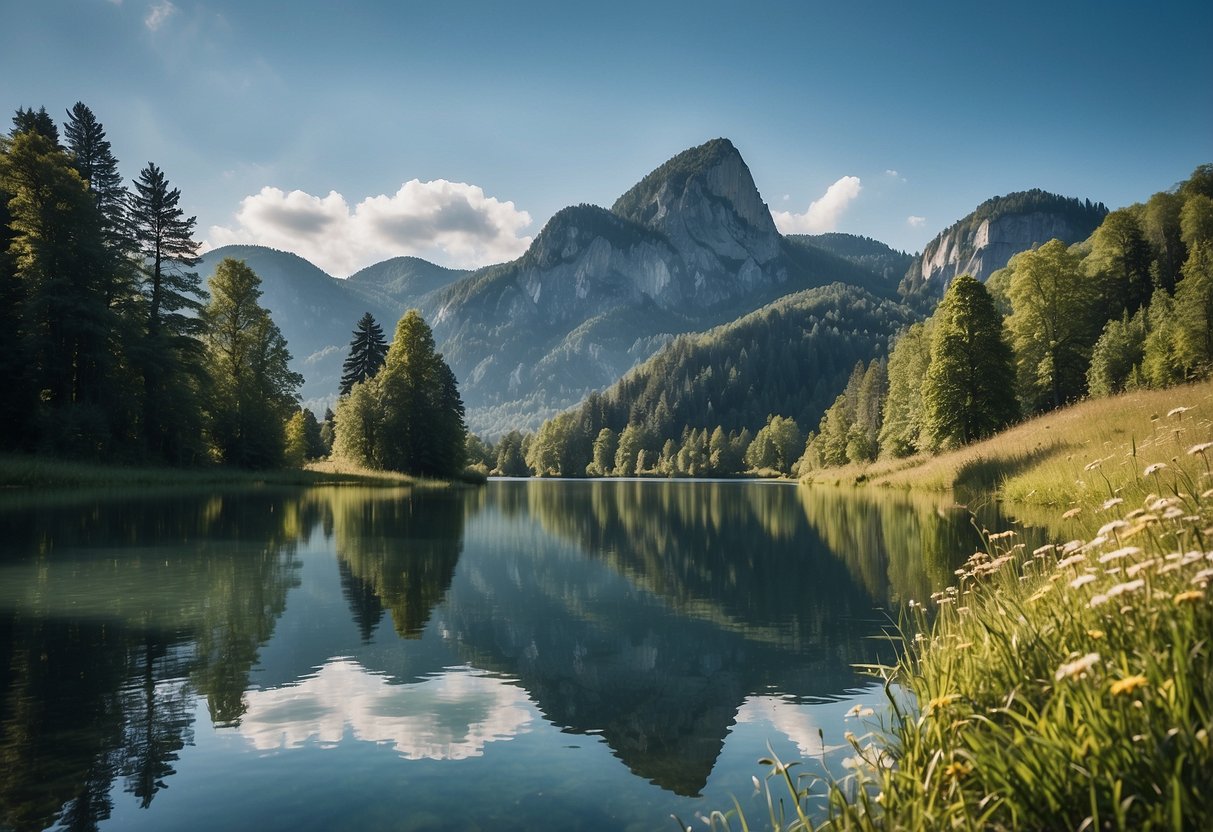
(1066, 688)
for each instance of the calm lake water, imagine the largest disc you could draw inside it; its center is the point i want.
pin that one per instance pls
(574, 655)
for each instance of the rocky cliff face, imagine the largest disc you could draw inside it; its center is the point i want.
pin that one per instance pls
(1000, 228)
(598, 291)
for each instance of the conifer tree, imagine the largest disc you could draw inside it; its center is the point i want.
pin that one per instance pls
(969, 391)
(368, 349)
(56, 279)
(94, 160)
(171, 302)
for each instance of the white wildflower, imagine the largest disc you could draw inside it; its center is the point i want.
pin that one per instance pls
(1078, 667)
(1081, 580)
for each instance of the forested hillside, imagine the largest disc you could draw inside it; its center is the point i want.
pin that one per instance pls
(1129, 307)
(787, 359)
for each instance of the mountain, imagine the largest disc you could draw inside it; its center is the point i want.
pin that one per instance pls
(315, 311)
(873, 255)
(998, 229)
(691, 246)
(406, 279)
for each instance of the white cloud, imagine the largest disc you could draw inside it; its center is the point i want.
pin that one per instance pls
(451, 223)
(915, 221)
(158, 14)
(824, 213)
(892, 173)
(448, 717)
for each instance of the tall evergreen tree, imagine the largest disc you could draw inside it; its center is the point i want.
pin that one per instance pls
(172, 300)
(94, 160)
(409, 416)
(39, 121)
(368, 349)
(56, 279)
(969, 391)
(254, 389)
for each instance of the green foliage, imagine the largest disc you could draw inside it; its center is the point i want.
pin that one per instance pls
(1116, 360)
(512, 452)
(408, 417)
(61, 330)
(969, 389)
(903, 418)
(1194, 307)
(1120, 258)
(1050, 325)
(606, 445)
(776, 446)
(787, 358)
(870, 254)
(368, 350)
(170, 294)
(253, 390)
(1196, 220)
(1161, 363)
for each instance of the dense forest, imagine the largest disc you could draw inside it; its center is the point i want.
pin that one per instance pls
(1130, 307)
(701, 403)
(113, 350)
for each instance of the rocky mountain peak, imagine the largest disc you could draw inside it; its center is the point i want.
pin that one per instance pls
(713, 170)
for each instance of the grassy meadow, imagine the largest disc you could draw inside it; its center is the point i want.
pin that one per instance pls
(1069, 687)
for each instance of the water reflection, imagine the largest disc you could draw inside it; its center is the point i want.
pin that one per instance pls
(447, 717)
(655, 618)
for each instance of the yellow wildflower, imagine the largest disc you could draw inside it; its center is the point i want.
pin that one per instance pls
(1095, 634)
(1190, 595)
(1128, 684)
(942, 701)
(956, 770)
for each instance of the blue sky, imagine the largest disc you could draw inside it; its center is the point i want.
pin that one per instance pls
(354, 131)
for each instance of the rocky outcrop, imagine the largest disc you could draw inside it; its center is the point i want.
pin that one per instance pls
(692, 244)
(983, 242)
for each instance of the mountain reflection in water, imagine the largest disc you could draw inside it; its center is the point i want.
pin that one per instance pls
(656, 619)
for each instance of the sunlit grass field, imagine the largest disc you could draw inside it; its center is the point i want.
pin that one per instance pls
(1069, 687)
(1077, 456)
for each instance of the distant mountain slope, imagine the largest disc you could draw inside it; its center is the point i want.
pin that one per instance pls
(315, 311)
(998, 229)
(692, 245)
(873, 255)
(406, 278)
(789, 358)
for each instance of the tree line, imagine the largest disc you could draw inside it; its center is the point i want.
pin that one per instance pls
(110, 347)
(1130, 307)
(720, 403)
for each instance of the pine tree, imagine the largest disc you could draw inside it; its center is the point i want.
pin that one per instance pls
(40, 122)
(94, 160)
(969, 391)
(423, 431)
(368, 349)
(171, 293)
(56, 278)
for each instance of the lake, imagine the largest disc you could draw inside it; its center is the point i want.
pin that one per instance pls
(532, 654)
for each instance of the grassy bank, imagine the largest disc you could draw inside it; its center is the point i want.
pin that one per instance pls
(1077, 456)
(1069, 687)
(44, 472)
